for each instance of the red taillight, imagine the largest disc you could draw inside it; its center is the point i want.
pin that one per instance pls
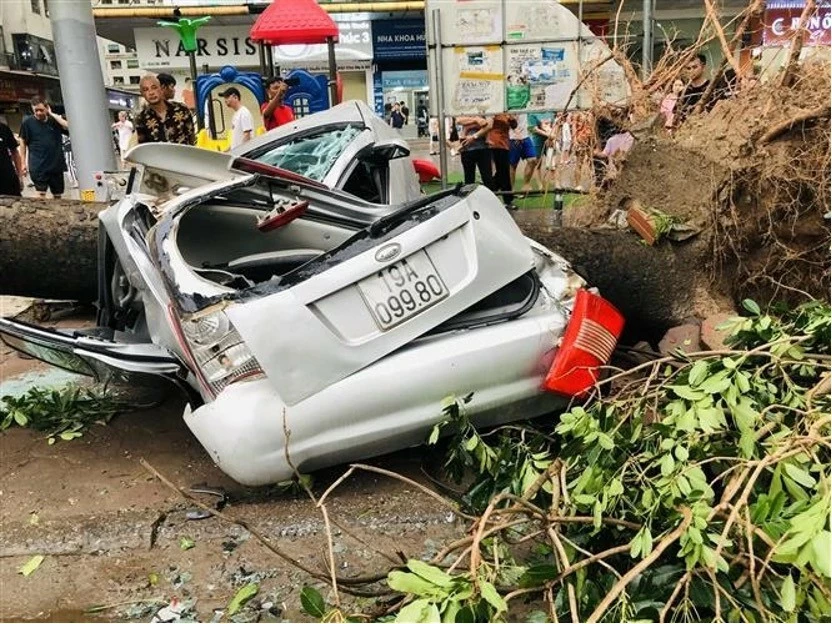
(587, 345)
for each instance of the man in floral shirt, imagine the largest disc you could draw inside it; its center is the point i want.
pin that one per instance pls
(163, 121)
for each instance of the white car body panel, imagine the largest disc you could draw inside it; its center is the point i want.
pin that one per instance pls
(320, 331)
(391, 404)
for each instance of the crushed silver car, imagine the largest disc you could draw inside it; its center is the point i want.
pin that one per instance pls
(281, 301)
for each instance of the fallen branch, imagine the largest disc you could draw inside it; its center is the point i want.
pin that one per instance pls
(324, 576)
(637, 569)
(797, 43)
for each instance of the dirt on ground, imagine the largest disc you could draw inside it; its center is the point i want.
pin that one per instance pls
(111, 533)
(760, 198)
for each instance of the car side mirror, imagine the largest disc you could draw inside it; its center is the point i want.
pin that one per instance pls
(383, 151)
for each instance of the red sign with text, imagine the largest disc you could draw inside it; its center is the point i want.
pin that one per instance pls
(782, 19)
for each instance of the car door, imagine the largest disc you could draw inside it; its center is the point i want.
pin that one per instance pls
(389, 284)
(90, 353)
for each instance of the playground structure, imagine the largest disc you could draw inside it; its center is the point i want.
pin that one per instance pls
(284, 22)
(308, 94)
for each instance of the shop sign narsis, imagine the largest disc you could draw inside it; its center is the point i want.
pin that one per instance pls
(782, 18)
(159, 48)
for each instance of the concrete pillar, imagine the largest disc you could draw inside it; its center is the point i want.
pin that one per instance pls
(647, 40)
(82, 87)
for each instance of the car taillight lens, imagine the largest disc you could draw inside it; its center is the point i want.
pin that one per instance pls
(587, 345)
(217, 351)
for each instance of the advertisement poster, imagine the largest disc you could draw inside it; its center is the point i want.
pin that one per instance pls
(528, 20)
(540, 76)
(475, 79)
(517, 55)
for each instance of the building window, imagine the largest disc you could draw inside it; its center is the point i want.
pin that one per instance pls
(132, 63)
(115, 64)
(134, 80)
(112, 48)
(119, 80)
(36, 6)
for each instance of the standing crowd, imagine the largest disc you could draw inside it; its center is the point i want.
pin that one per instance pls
(42, 150)
(573, 150)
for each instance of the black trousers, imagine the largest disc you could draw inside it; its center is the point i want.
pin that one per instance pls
(477, 159)
(502, 174)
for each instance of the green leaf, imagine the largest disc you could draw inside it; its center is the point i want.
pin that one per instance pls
(751, 306)
(20, 418)
(30, 566)
(186, 543)
(642, 543)
(430, 573)
(698, 372)
(747, 443)
(744, 415)
(717, 383)
(821, 549)
(408, 583)
(492, 597)
(471, 443)
(605, 441)
(311, 601)
(434, 435)
(799, 475)
(421, 610)
(681, 453)
(788, 596)
(537, 575)
(686, 392)
(246, 593)
(537, 617)
(615, 488)
(667, 464)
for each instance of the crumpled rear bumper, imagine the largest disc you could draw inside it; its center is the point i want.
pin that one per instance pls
(384, 407)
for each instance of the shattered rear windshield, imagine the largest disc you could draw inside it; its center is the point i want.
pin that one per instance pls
(312, 155)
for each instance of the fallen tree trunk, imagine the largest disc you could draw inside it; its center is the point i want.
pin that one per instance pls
(655, 287)
(48, 248)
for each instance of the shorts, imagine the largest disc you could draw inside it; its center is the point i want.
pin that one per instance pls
(521, 150)
(53, 180)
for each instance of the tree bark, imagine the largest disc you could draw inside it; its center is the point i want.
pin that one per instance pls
(48, 249)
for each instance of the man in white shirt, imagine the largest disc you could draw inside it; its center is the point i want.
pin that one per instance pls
(242, 123)
(124, 127)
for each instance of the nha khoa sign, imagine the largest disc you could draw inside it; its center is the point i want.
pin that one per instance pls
(782, 18)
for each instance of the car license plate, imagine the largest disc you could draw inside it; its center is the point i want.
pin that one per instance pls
(402, 290)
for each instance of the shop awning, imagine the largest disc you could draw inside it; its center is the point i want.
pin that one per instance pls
(286, 22)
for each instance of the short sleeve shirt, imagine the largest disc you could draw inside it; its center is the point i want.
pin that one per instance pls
(176, 127)
(241, 122)
(534, 120)
(283, 114)
(44, 142)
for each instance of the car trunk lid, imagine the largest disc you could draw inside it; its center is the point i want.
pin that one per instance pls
(385, 287)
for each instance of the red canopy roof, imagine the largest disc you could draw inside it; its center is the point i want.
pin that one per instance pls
(294, 21)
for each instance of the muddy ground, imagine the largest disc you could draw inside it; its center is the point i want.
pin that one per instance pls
(110, 532)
